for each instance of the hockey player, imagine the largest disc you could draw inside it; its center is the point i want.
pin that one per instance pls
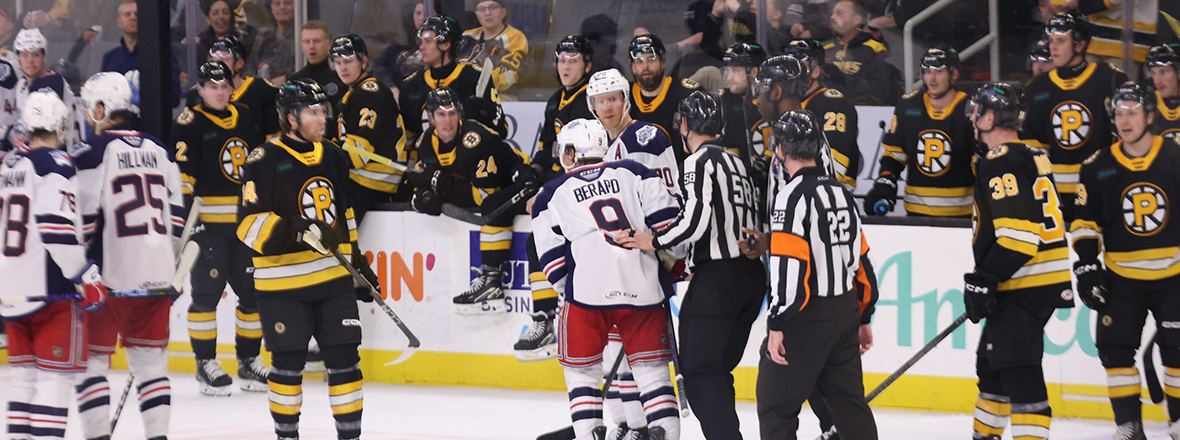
(741, 115)
(1163, 67)
(1039, 58)
(42, 256)
(293, 213)
(930, 139)
(1121, 210)
(1066, 107)
(465, 163)
(30, 49)
(642, 141)
(211, 142)
(654, 96)
(1021, 268)
(841, 122)
(369, 119)
(575, 218)
(256, 93)
(440, 36)
(118, 170)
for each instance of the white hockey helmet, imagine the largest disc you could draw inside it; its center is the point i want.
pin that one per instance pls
(44, 111)
(110, 89)
(608, 81)
(586, 136)
(29, 40)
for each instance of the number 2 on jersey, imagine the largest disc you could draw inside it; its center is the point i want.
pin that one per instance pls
(608, 214)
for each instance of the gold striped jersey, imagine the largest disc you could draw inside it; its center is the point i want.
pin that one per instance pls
(933, 147)
(371, 120)
(210, 148)
(256, 93)
(660, 109)
(1167, 116)
(1019, 232)
(479, 162)
(1124, 208)
(286, 179)
(841, 129)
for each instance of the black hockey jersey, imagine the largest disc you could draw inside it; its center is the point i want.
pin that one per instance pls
(740, 115)
(660, 109)
(936, 147)
(1167, 117)
(1067, 115)
(480, 163)
(285, 179)
(210, 148)
(461, 78)
(564, 106)
(370, 119)
(1123, 210)
(840, 128)
(256, 93)
(1019, 231)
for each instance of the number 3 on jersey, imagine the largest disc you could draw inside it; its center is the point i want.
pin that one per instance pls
(608, 213)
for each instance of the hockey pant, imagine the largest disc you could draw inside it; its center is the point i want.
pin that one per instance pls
(1011, 380)
(1119, 337)
(223, 259)
(149, 366)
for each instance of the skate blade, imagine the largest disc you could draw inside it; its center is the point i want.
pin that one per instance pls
(253, 386)
(540, 354)
(495, 306)
(210, 390)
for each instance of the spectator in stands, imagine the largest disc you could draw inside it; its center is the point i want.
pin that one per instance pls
(602, 31)
(400, 60)
(1039, 60)
(868, 79)
(124, 58)
(779, 36)
(52, 17)
(222, 22)
(1106, 27)
(316, 42)
(498, 41)
(704, 19)
(810, 19)
(273, 56)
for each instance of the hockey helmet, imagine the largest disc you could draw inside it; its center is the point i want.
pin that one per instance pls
(29, 40)
(442, 97)
(797, 134)
(809, 48)
(575, 44)
(297, 94)
(1164, 55)
(1065, 23)
(349, 46)
(608, 81)
(645, 44)
(746, 55)
(215, 71)
(1005, 100)
(44, 111)
(939, 58)
(586, 137)
(445, 28)
(1039, 51)
(794, 75)
(702, 112)
(1135, 92)
(110, 89)
(232, 45)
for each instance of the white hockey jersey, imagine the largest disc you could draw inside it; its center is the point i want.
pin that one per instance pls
(645, 143)
(52, 81)
(9, 77)
(575, 218)
(130, 201)
(40, 227)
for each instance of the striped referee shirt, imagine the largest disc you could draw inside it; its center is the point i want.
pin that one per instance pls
(817, 247)
(719, 202)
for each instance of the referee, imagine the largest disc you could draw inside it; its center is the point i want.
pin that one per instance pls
(727, 288)
(818, 256)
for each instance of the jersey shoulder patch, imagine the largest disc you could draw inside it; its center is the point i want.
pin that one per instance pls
(997, 152)
(256, 155)
(185, 117)
(370, 85)
(645, 134)
(267, 82)
(833, 93)
(1115, 68)
(690, 83)
(471, 139)
(911, 94)
(1092, 158)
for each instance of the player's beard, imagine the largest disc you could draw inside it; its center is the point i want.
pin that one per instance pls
(651, 82)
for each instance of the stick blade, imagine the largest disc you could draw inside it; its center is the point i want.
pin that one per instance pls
(405, 356)
(566, 433)
(185, 263)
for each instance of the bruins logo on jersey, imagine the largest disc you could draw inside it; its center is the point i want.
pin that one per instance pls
(759, 136)
(233, 156)
(317, 200)
(1071, 124)
(934, 152)
(1172, 135)
(186, 117)
(1145, 208)
(471, 139)
(369, 86)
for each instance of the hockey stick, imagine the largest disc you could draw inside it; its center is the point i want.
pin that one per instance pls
(190, 223)
(448, 209)
(485, 75)
(683, 397)
(1149, 375)
(524, 194)
(568, 433)
(184, 266)
(414, 342)
(906, 366)
(880, 145)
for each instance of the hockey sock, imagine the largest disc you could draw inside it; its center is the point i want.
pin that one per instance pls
(20, 393)
(93, 393)
(202, 331)
(149, 365)
(622, 399)
(658, 397)
(50, 405)
(286, 392)
(991, 415)
(249, 333)
(347, 400)
(494, 245)
(585, 397)
(1123, 386)
(544, 297)
(1031, 420)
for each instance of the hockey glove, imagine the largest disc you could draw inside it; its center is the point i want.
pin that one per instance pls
(440, 183)
(884, 190)
(422, 174)
(426, 202)
(979, 295)
(1091, 284)
(89, 285)
(315, 234)
(484, 111)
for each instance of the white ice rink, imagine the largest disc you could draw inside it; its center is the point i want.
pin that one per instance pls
(422, 412)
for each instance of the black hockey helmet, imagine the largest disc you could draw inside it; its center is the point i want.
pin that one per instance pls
(442, 97)
(575, 44)
(645, 44)
(702, 112)
(214, 71)
(939, 58)
(231, 44)
(296, 94)
(445, 28)
(1074, 25)
(790, 71)
(797, 134)
(1164, 55)
(1039, 51)
(348, 46)
(1135, 92)
(809, 48)
(1006, 100)
(746, 55)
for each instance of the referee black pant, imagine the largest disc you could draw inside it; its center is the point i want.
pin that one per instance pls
(822, 352)
(722, 303)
